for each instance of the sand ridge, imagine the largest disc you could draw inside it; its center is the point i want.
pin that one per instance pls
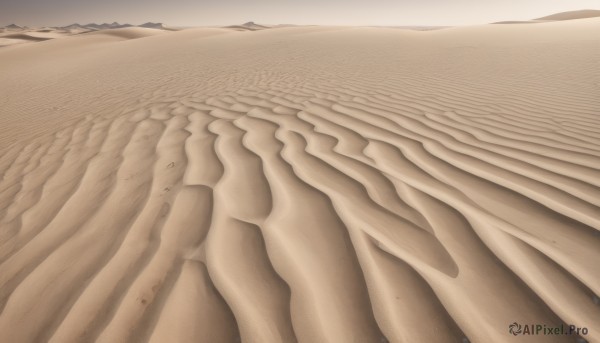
(17, 35)
(301, 184)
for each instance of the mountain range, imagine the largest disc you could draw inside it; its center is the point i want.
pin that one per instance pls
(92, 26)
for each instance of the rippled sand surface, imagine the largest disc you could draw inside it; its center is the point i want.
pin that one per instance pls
(301, 184)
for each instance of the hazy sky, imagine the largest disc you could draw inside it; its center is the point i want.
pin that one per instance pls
(332, 12)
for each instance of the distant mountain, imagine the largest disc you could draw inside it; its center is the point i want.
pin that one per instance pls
(94, 26)
(76, 27)
(72, 27)
(106, 26)
(13, 27)
(251, 26)
(151, 25)
(116, 25)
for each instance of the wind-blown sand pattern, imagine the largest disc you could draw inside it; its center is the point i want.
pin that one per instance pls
(301, 184)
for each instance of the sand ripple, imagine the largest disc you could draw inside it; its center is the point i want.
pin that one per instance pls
(375, 208)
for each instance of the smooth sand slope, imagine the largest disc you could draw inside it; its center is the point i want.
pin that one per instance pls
(581, 14)
(302, 184)
(571, 15)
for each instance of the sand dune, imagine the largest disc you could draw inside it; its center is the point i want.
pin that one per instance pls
(301, 184)
(581, 14)
(129, 33)
(24, 36)
(11, 37)
(571, 15)
(14, 34)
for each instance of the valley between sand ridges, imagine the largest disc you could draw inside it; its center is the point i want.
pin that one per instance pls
(311, 184)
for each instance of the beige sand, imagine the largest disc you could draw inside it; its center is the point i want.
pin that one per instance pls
(572, 15)
(310, 184)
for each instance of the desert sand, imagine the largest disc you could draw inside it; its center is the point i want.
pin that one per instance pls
(300, 184)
